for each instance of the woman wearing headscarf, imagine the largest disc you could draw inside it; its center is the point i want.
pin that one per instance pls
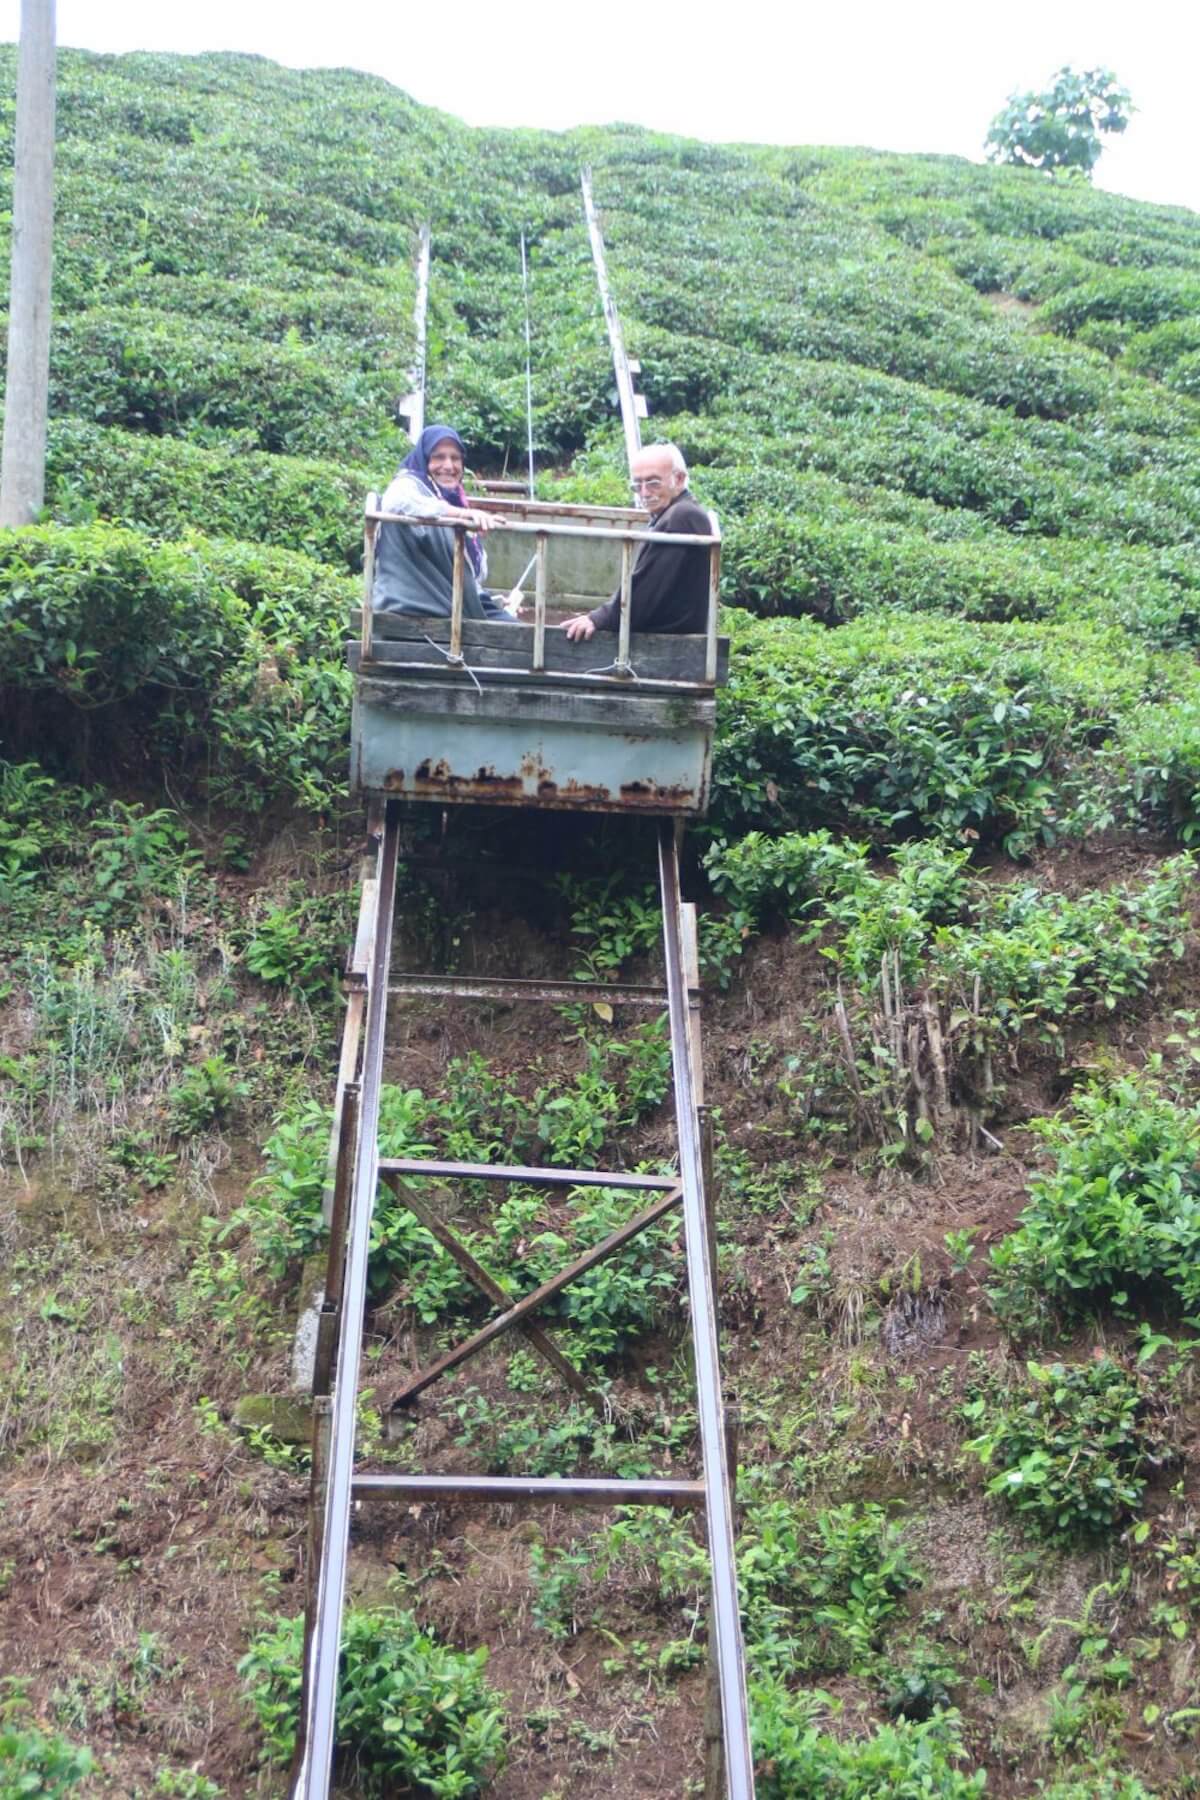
(414, 564)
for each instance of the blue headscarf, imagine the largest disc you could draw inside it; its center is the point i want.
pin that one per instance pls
(418, 461)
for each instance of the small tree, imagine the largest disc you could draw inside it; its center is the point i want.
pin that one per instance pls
(1061, 128)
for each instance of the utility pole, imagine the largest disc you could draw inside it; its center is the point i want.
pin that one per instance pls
(23, 460)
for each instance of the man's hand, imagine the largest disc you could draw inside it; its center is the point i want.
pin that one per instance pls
(580, 628)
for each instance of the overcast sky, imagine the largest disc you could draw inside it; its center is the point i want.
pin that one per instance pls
(927, 76)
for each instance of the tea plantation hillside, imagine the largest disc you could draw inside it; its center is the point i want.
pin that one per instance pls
(950, 417)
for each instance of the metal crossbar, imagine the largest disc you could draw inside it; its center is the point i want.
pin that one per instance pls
(519, 1313)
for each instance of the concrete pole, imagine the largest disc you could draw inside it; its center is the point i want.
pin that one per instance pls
(23, 459)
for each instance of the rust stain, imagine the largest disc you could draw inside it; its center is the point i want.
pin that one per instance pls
(648, 796)
(440, 780)
(437, 781)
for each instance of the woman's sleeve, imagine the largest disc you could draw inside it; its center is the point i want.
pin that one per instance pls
(411, 498)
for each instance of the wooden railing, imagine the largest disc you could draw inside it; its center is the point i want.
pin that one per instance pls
(542, 521)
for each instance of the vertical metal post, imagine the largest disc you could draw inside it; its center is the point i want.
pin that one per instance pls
(714, 598)
(27, 393)
(318, 1720)
(539, 605)
(456, 595)
(726, 1622)
(689, 931)
(370, 533)
(312, 1573)
(329, 1323)
(626, 596)
(528, 364)
(714, 1740)
(415, 401)
(625, 393)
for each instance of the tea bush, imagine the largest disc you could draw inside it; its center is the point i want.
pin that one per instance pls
(168, 487)
(819, 1590)
(155, 643)
(96, 614)
(1120, 1207)
(482, 1120)
(923, 727)
(1041, 957)
(1028, 956)
(34, 1763)
(1071, 1447)
(412, 1714)
(1151, 768)
(795, 1760)
(829, 880)
(148, 372)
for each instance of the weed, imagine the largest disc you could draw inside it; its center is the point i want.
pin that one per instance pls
(961, 1247)
(299, 947)
(905, 1761)
(186, 1784)
(206, 1096)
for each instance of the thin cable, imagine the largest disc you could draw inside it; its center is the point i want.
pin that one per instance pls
(528, 363)
(456, 662)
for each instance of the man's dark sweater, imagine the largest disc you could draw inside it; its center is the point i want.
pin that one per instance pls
(669, 591)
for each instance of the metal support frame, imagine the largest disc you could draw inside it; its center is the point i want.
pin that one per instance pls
(412, 407)
(356, 1169)
(337, 1487)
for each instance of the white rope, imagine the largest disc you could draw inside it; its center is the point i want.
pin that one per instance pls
(456, 662)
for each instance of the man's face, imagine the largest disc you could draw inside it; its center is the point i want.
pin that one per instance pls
(655, 481)
(446, 463)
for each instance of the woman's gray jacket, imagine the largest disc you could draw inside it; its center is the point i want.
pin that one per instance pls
(414, 564)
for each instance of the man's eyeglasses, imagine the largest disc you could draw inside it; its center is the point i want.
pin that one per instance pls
(650, 483)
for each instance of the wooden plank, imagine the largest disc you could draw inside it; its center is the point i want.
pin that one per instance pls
(639, 714)
(411, 664)
(409, 670)
(576, 512)
(656, 655)
(622, 534)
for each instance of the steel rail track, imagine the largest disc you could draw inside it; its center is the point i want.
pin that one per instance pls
(312, 1776)
(337, 1488)
(726, 1619)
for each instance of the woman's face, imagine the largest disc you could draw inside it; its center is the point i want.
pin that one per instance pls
(446, 463)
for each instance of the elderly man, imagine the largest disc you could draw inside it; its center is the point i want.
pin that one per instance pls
(669, 590)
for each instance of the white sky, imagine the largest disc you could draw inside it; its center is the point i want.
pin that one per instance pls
(926, 76)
